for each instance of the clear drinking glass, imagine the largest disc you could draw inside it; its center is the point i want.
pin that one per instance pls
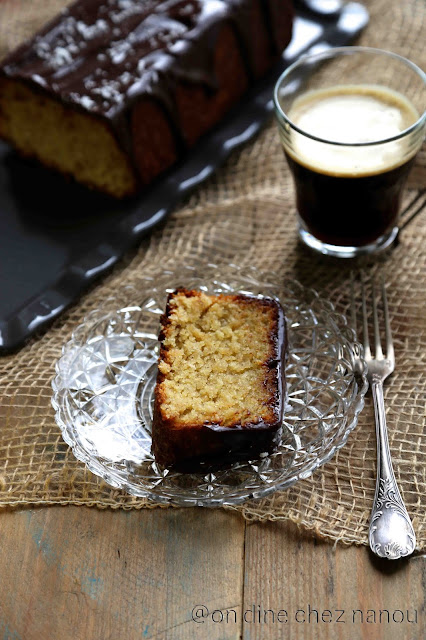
(351, 121)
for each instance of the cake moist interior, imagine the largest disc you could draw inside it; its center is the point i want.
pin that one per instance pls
(216, 364)
(113, 93)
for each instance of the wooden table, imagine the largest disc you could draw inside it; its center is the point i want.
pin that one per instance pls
(73, 573)
(83, 574)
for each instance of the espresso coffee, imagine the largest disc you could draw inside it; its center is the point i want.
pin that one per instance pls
(348, 189)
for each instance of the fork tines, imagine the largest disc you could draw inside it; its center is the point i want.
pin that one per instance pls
(374, 314)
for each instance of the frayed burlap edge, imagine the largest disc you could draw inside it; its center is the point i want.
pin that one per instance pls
(245, 213)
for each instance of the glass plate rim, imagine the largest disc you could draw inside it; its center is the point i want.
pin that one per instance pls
(110, 307)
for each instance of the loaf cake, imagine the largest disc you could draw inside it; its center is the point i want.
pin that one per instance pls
(220, 384)
(112, 92)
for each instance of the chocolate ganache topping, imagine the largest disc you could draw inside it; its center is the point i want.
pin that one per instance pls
(102, 55)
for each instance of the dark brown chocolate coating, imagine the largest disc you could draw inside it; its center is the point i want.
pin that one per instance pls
(206, 447)
(101, 56)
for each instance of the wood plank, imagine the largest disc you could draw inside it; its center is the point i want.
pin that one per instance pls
(88, 574)
(286, 569)
(77, 573)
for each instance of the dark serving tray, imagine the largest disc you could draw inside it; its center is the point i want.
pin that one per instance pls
(57, 238)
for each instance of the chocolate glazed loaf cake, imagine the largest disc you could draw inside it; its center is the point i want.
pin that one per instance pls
(220, 388)
(112, 92)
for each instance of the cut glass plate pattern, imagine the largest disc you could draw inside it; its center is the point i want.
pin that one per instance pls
(103, 390)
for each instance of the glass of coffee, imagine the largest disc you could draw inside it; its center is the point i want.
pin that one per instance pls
(351, 121)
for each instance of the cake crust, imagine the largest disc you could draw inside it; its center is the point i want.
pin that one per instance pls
(146, 78)
(239, 424)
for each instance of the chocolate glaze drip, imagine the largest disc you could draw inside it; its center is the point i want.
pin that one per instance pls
(98, 55)
(211, 446)
(101, 56)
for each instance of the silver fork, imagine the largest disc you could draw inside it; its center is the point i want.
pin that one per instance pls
(391, 533)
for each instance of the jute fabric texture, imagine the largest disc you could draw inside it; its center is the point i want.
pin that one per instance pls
(244, 214)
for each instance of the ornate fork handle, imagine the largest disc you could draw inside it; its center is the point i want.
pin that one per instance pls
(391, 532)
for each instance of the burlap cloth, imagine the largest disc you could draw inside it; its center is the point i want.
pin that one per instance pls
(246, 214)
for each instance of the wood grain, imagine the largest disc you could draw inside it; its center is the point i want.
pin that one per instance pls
(77, 573)
(73, 573)
(328, 593)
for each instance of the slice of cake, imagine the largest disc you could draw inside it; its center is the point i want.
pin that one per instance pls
(220, 386)
(112, 92)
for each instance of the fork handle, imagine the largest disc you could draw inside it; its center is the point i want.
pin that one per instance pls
(391, 532)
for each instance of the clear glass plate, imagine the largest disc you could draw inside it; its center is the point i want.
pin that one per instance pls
(103, 390)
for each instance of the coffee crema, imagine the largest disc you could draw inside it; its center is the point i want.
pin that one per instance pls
(352, 115)
(349, 179)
